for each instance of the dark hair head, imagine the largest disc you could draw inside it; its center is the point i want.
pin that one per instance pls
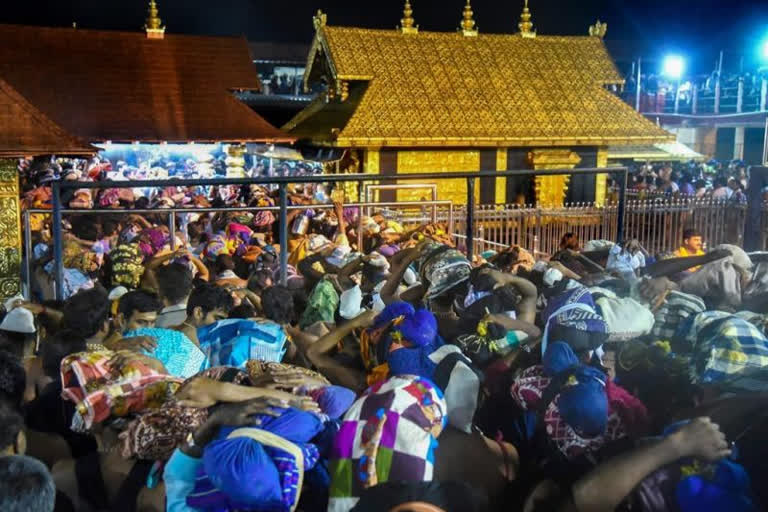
(84, 228)
(141, 203)
(224, 262)
(11, 423)
(570, 241)
(690, 233)
(85, 312)
(277, 304)
(25, 484)
(13, 379)
(174, 282)
(209, 297)
(109, 227)
(243, 311)
(56, 348)
(139, 300)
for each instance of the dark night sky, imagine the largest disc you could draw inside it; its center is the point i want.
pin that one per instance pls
(696, 28)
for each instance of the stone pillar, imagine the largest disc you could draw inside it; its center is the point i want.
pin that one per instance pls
(740, 96)
(550, 190)
(738, 143)
(763, 94)
(10, 229)
(501, 183)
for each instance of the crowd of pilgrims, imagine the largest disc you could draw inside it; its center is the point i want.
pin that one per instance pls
(185, 375)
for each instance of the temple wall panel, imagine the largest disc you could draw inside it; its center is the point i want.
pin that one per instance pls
(416, 161)
(10, 229)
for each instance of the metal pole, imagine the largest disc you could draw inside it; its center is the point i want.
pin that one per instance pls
(639, 83)
(763, 94)
(28, 256)
(622, 181)
(695, 101)
(740, 95)
(470, 218)
(717, 83)
(283, 234)
(172, 229)
(677, 97)
(58, 249)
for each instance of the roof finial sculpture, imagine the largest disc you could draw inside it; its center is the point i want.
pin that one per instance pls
(320, 19)
(467, 25)
(598, 29)
(526, 25)
(154, 25)
(408, 24)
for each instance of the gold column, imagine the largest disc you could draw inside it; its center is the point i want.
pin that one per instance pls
(550, 190)
(501, 183)
(414, 162)
(10, 229)
(372, 166)
(601, 181)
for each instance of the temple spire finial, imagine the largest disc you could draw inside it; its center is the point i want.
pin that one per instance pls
(468, 26)
(599, 29)
(408, 24)
(154, 25)
(526, 25)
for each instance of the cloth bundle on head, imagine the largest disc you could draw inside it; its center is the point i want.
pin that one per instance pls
(17, 319)
(322, 304)
(389, 434)
(155, 434)
(152, 241)
(258, 469)
(127, 265)
(723, 348)
(578, 407)
(99, 391)
(728, 489)
(718, 283)
(179, 355)
(625, 318)
(234, 342)
(444, 268)
(400, 342)
(77, 258)
(220, 244)
(572, 317)
(488, 343)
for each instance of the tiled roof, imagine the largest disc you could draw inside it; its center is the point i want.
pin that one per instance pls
(25, 131)
(122, 86)
(446, 89)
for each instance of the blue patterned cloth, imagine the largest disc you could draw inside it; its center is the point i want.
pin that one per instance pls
(74, 280)
(179, 355)
(724, 348)
(242, 473)
(234, 342)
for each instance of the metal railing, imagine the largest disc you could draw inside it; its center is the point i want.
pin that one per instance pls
(619, 173)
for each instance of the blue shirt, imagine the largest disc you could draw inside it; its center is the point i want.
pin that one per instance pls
(179, 477)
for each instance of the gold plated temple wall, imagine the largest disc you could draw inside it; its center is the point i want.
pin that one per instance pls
(501, 183)
(550, 190)
(601, 180)
(10, 229)
(411, 162)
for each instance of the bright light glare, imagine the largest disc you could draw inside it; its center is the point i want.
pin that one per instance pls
(764, 50)
(674, 66)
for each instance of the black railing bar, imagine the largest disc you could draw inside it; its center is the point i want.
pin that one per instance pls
(330, 178)
(151, 211)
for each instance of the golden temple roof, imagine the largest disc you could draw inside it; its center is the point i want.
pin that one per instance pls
(389, 88)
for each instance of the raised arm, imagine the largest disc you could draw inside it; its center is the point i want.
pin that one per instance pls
(606, 486)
